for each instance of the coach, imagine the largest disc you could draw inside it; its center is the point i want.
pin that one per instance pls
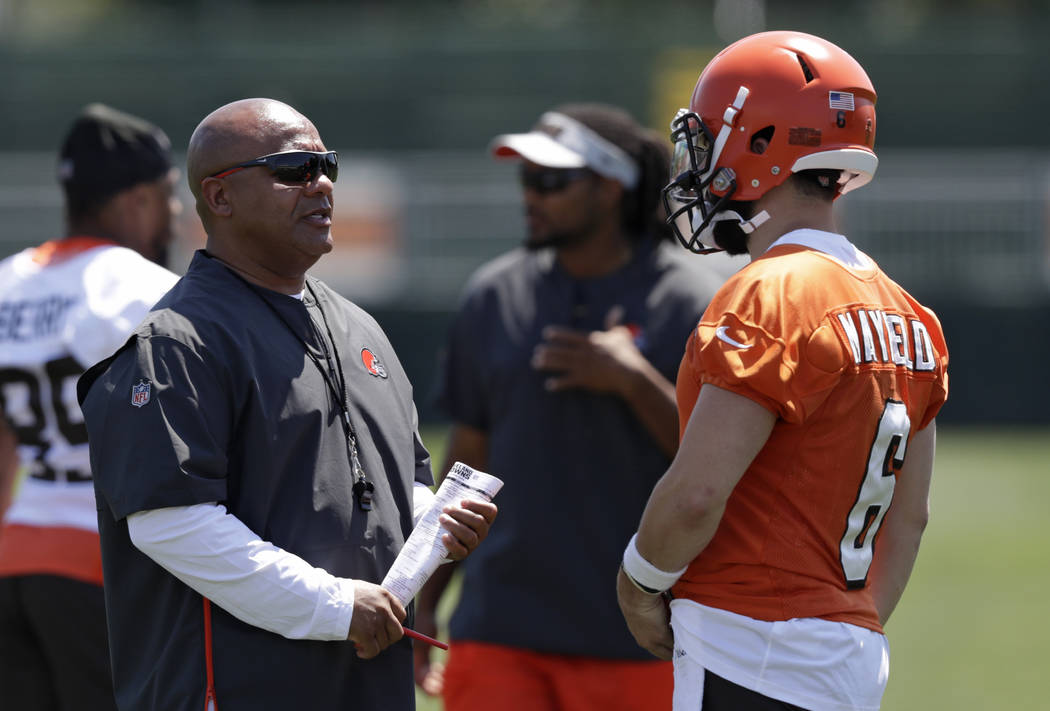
(255, 447)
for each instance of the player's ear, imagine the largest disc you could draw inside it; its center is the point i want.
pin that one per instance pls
(215, 197)
(137, 196)
(122, 212)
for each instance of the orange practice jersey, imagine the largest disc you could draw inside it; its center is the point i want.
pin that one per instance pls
(852, 366)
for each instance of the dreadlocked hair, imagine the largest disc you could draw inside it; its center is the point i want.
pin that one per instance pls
(642, 213)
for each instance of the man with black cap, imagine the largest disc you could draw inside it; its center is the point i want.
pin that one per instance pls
(63, 306)
(558, 377)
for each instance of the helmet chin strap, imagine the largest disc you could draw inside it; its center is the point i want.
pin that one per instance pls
(749, 226)
(707, 235)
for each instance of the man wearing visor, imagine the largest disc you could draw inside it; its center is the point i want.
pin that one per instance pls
(787, 525)
(558, 377)
(258, 464)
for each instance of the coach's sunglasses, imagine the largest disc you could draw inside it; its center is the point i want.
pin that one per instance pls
(550, 180)
(292, 166)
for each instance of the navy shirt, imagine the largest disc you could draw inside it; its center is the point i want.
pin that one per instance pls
(215, 398)
(578, 466)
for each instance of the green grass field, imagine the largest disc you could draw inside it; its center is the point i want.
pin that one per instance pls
(971, 632)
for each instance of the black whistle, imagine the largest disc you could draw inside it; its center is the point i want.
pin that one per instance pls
(363, 491)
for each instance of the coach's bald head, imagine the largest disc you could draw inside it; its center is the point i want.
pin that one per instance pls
(238, 132)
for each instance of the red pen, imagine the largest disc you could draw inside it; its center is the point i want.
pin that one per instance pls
(423, 638)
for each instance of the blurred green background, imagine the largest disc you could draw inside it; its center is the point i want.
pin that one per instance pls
(410, 93)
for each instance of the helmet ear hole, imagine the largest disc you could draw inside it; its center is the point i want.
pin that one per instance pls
(760, 140)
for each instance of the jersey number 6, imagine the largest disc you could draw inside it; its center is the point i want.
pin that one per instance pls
(876, 491)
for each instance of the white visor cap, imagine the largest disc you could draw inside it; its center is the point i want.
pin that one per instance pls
(559, 141)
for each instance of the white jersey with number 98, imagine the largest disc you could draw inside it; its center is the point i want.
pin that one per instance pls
(63, 306)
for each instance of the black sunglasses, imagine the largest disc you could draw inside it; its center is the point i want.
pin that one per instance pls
(551, 180)
(292, 166)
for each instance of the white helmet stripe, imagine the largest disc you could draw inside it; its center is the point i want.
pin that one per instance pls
(728, 118)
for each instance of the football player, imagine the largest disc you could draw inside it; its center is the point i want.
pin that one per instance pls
(63, 306)
(807, 398)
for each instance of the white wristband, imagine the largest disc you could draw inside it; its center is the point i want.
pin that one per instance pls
(646, 576)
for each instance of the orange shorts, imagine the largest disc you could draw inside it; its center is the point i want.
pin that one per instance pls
(482, 677)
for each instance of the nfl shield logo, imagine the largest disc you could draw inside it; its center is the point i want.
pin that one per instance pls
(140, 393)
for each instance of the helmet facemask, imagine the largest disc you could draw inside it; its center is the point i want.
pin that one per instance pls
(689, 203)
(700, 196)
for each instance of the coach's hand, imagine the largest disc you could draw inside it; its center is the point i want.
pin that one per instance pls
(467, 525)
(648, 617)
(376, 622)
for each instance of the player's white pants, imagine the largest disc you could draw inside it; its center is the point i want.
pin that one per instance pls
(813, 663)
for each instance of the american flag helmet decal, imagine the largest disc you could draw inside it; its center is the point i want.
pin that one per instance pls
(840, 100)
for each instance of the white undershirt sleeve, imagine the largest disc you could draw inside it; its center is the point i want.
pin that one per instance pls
(214, 553)
(421, 498)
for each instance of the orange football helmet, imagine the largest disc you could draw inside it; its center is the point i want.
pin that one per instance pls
(766, 106)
